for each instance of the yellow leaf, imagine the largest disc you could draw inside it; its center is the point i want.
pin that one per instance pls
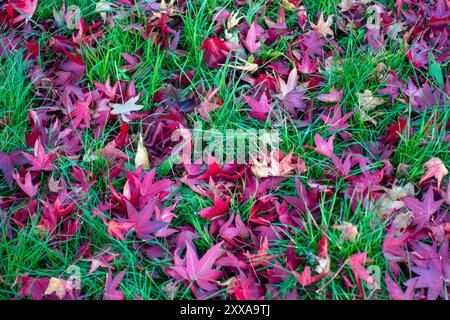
(369, 102)
(233, 20)
(57, 286)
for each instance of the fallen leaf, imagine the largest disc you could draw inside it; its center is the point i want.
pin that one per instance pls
(125, 109)
(349, 231)
(59, 287)
(323, 27)
(275, 167)
(368, 102)
(141, 158)
(436, 169)
(356, 262)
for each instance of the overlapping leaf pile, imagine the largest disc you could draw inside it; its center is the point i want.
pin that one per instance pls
(246, 259)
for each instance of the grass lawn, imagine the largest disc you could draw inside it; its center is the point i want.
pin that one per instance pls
(350, 202)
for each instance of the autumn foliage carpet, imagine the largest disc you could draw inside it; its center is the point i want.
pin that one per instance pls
(352, 204)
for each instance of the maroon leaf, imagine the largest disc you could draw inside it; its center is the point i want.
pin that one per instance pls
(8, 162)
(215, 52)
(142, 224)
(111, 284)
(423, 210)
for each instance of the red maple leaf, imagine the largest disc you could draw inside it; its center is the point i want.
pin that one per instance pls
(324, 147)
(41, 161)
(19, 10)
(394, 248)
(142, 224)
(215, 52)
(396, 292)
(118, 229)
(356, 262)
(260, 108)
(436, 169)
(250, 42)
(219, 208)
(306, 279)
(423, 210)
(81, 112)
(111, 284)
(198, 272)
(432, 269)
(27, 186)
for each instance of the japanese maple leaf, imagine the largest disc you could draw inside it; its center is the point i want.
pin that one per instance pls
(33, 286)
(394, 248)
(41, 161)
(423, 210)
(275, 167)
(306, 279)
(333, 96)
(304, 200)
(324, 147)
(302, 17)
(313, 44)
(436, 169)
(111, 284)
(336, 121)
(101, 261)
(260, 108)
(8, 162)
(125, 109)
(142, 224)
(27, 186)
(208, 104)
(220, 207)
(396, 292)
(323, 27)
(198, 271)
(81, 112)
(307, 66)
(262, 257)
(247, 287)
(215, 52)
(433, 274)
(398, 5)
(286, 87)
(250, 42)
(356, 262)
(118, 229)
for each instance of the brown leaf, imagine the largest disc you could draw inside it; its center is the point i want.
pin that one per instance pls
(54, 185)
(368, 102)
(274, 167)
(323, 27)
(141, 158)
(349, 231)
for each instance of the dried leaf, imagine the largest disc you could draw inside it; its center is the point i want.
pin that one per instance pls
(323, 27)
(141, 158)
(436, 169)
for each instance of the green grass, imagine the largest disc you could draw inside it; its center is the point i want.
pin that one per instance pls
(33, 252)
(16, 99)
